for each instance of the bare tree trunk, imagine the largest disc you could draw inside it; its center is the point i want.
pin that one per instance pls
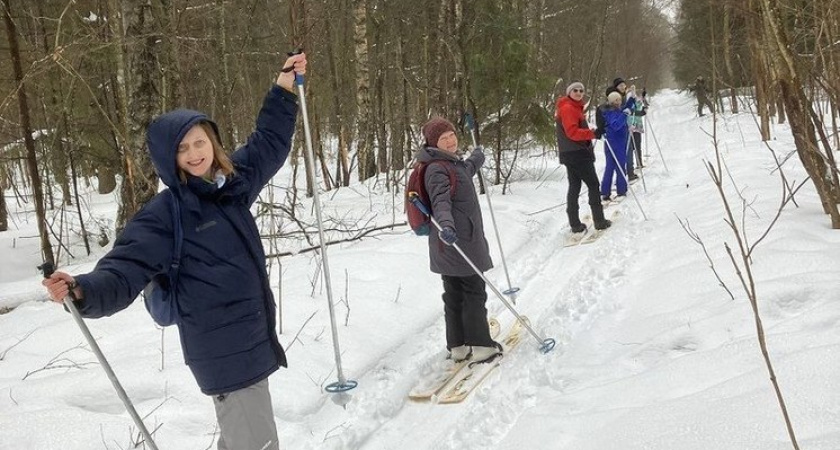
(367, 159)
(780, 109)
(74, 176)
(4, 211)
(119, 92)
(343, 159)
(58, 159)
(439, 69)
(318, 147)
(223, 84)
(406, 117)
(172, 87)
(727, 56)
(141, 181)
(380, 131)
(297, 14)
(26, 129)
(760, 76)
(106, 179)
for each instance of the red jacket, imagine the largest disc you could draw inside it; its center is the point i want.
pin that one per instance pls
(570, 116)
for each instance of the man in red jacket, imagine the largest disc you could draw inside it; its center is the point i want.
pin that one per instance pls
(574, 142)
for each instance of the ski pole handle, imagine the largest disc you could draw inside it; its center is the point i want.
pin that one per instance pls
(48, 268)
(294, 52)
(298, 77)
(414, 198)
(470, 123)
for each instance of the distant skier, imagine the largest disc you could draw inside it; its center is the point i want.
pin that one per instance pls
(574, 141)
(600, 124)
(638, 109)
(617, 134)
(699, 89)
(620, 86)
(454, 204)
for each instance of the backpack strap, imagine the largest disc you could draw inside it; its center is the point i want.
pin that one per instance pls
(175, 267)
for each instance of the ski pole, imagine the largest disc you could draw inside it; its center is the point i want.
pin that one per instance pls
(547, 344)
(48, 268)
(511, 291)
(343, 384)
(621, 171)
(656, 141)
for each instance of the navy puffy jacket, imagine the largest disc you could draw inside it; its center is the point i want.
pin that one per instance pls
(227, 308)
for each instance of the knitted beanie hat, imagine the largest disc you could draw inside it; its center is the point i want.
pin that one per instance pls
(434, 128)
(575, 85)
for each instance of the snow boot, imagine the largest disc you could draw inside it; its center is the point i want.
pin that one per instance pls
(459, 353)
(597, 213)
(603, 224)
(485, 354)
(579, 228)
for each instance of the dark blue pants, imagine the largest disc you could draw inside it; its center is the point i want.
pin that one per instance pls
(612, 171)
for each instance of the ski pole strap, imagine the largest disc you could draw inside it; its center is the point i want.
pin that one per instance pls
(414, 198)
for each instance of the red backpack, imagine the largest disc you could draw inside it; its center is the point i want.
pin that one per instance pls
(420, 223)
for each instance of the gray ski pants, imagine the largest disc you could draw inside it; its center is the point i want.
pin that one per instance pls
(246, 419)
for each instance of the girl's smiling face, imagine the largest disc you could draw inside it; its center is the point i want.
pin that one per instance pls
(195, 153)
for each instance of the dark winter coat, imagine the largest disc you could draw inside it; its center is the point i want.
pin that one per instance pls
(460, 211)
(226, 305)
(700, 89)
(574, 138)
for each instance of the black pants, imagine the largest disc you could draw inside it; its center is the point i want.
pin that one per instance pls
(636, 147)
(465, 313)
(701, 102)
(583, 172)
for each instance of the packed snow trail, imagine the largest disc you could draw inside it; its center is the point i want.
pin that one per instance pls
(562, 289)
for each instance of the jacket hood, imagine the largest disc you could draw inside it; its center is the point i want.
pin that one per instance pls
(163, 136)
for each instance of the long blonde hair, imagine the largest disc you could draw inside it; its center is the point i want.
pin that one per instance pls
(221, 160)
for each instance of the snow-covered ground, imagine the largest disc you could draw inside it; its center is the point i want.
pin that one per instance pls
(651, 352)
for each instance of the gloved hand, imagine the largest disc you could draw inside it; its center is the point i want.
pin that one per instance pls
(626, 111)
(478, 149)
(448, 236)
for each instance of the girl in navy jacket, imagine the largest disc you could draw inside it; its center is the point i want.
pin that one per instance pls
(227, 310)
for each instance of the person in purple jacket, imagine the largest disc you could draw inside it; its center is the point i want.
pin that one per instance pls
(226, 307)
(617, 132)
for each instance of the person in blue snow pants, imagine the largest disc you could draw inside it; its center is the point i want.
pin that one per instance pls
(617, 134)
